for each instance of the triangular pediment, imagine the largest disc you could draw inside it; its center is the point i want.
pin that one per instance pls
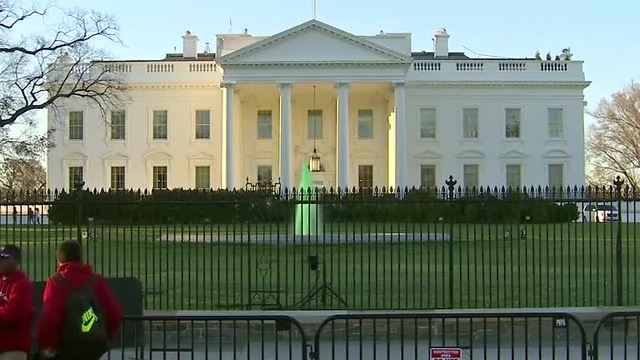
(314, 42)
(471, 154)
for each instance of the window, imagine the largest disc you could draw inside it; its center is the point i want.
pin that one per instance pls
(76, 176)
(428, 123)
(265, 173)
(513, 176)
(512, 123)
(76, 125)
(471, 176)
(159, 177)
(314, 124)
(427, 176)
(365, 177)
(160, 124)
(365, 124)
(117, 177)
(470, 123)
(555, 176)
(203, 177)
(265, 124)
(554, 122)
(203, 125)
(117, 125)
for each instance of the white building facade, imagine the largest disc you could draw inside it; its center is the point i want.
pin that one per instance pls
(376, 113)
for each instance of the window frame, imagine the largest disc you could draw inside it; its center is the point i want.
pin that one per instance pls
(154, 180)
(313, 134)
(153, 125)
(465, 121)
(111, 177)
(72, 129)
(196, 134)
(423, 167)
(259, 173)
(465, 181)
(72, 181)
(113, 128)
(262, 125)
(506, 123)
(361, 134)
(434, 126)
(562, 172)
(560, 124)
(207, 169)
(507, 182)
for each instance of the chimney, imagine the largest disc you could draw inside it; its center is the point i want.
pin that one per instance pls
(189, 45)
(441, 43)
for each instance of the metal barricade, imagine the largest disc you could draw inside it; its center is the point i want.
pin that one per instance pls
(474, 335)
(616, 336)
(212, 337)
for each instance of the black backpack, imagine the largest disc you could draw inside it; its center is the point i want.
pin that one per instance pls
(84, 332)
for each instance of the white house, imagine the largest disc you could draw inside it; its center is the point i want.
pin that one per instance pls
(376, 113)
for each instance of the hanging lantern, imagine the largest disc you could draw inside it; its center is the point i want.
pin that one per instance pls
(314, 162)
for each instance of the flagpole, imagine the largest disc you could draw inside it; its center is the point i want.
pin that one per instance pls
(315, 9)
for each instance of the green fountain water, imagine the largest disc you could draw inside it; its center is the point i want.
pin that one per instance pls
(308, 215)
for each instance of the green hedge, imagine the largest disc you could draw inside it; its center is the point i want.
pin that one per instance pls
(221, 206)
(425, 207)
(169, 206)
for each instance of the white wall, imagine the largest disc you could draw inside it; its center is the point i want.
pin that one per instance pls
(139, 152)
(492, 151)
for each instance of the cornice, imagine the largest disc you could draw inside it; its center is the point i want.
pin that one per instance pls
(340, 63)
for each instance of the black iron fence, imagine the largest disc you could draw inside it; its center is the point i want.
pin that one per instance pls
(325, 249)
(434, 336)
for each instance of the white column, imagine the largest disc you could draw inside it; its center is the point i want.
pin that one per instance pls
(229, 139)
(285, 136)
(401, 135)
(343, 135)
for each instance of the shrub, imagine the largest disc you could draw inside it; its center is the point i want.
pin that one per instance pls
(180, 206)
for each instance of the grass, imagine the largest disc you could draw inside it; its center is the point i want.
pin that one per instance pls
(554, 265)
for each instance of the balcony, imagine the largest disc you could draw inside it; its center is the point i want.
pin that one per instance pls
(489, 70)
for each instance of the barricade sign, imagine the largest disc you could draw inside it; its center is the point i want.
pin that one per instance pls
(445, 353)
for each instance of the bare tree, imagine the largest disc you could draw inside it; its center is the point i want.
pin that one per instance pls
(61, 61)
(613, 145)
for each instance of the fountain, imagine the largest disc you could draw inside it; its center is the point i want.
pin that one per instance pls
(308, 215)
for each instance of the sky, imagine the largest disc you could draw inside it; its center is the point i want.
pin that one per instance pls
(603, 34)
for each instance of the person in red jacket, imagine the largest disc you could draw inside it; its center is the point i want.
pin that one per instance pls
(72, 273)
(16, 306)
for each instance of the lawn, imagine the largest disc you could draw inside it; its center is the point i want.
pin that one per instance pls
(571, 264)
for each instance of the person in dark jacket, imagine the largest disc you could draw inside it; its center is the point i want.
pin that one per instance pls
(16, 306)
(74, 274)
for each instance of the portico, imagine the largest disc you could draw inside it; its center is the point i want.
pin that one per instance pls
(320, 88)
